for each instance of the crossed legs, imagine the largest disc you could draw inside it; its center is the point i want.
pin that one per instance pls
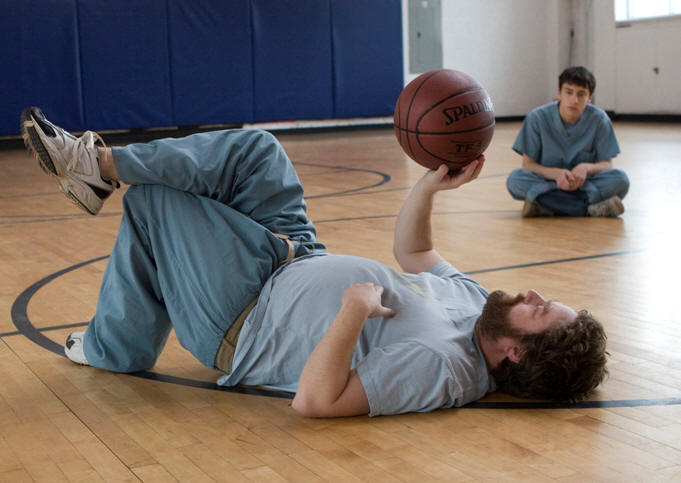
(599, 189)
(196, 241)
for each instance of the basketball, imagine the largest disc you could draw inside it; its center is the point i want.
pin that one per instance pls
(444, 116)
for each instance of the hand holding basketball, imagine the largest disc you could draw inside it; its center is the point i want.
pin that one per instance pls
(445, 179)
(444, 116)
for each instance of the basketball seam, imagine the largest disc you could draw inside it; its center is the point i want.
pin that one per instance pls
(411, 102)
(418, 122)
(446, 161)
(405, 131)
(447, 133)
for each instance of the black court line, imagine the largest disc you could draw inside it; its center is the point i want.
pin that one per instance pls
(28, 195)
(619, 403)
(40, 217)
(26, 328)
(384, 178)
(402, 188)
(551, 262)
(48, 329)
(51, 218)
(436, 213)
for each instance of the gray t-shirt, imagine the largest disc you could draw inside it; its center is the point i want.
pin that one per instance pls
(424, 358)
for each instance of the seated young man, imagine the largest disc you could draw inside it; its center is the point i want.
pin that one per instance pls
(215, 243)
(567, 149)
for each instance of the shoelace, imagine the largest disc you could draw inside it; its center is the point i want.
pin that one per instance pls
(82, 146)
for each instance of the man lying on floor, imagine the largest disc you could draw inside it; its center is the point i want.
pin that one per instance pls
(215, 242)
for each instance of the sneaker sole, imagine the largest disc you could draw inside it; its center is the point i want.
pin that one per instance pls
(75, 199)
(619, 205)
(613, 210)
(34, 144)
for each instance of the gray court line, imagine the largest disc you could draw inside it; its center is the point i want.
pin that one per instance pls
(384, 178)
(29, 195)
(27, 329)
(364, 191)
(51, 218)
(48, 329)
(38, 217)
(620, 403)
(353, 192)
(560, 260)
(436, 213)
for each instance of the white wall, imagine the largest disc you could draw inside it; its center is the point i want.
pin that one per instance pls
(598, 31)
(510, 47)
(640, 49)
(501, 44)
(517, 49)
(623, 59)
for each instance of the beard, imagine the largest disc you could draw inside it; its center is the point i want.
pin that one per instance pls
(493, 321)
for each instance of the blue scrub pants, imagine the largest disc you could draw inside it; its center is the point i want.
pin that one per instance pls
(523, 184)
(195, 245)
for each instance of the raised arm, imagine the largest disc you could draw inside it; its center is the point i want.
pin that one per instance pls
(413, 244)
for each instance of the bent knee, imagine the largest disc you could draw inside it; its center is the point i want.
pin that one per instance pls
(519, 181)
(135, 196)
(620, 175)
(619, 180)
(260, 138)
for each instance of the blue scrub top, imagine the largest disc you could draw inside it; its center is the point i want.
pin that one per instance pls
(544, 138)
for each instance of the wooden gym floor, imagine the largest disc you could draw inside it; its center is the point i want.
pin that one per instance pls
(63, 422)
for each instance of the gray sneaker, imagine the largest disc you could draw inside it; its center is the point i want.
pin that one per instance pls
(611, 207)
(73, 161)
(532, 209)
(74, 348)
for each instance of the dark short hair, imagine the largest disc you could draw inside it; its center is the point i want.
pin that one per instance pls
(579, 76)
(564, 363)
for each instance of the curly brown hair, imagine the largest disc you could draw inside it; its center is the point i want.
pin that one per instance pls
(564, 363)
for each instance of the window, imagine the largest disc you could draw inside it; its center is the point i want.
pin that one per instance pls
(639, 9)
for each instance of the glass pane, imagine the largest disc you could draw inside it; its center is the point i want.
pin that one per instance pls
(648, 8)
(676, 6)
(621, 10)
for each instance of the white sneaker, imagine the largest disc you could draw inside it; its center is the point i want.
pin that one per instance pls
(74, 348)
(72, 160)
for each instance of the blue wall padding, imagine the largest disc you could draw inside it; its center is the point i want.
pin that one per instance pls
(39, 63)
(211, 61)
(292, 59)
(126, 74)
(125, 64)
(367, 53)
